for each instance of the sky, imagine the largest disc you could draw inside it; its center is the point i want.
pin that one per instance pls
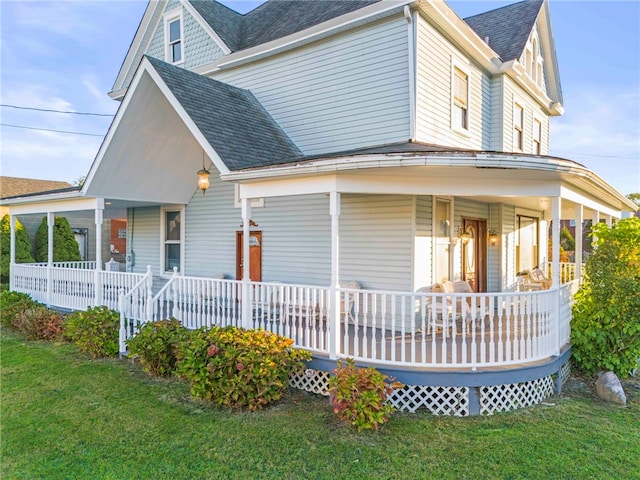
(65, 55)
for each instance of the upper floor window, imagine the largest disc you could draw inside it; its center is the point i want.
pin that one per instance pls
(174, 38)
(537, 137)
(460, 109)
(518, 124)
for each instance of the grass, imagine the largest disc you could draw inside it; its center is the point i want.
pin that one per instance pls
(66, 417)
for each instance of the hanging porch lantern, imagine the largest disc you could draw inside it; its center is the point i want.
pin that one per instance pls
(203, 177)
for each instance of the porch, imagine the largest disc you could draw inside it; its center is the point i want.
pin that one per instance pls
(445, 347)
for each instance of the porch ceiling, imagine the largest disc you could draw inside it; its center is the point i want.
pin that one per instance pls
(152, 157)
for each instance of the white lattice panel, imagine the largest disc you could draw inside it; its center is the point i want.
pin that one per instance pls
(314, 381)
(438, 400)
(565, 371)
(501, 398)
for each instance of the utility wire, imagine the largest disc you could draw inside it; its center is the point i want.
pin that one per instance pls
(55, 111)
(50, 130)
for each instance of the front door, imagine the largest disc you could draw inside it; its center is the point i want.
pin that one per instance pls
(474, 254)
(255, 256)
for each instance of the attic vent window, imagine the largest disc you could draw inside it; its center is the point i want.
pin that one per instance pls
(174, 37)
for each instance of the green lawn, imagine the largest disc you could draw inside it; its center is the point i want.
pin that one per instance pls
(64, 416)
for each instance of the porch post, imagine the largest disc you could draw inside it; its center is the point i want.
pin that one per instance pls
(556, 208)
(246, 264)
(99, 214)
(578, 238)
(607, 219)
(334, 292)
(50, 223)
(12, 248)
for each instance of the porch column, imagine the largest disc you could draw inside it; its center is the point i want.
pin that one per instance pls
(334, 293)
(50, 223)
(607, 219)
(556, 208)
(99, 214)
(577, 258)
(246, 261)
(12, 248)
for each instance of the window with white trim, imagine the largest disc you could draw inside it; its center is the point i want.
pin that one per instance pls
(526, 242)
(172, 239)
(460, 100)
(537, 137)
(174, 38)
(518, 126)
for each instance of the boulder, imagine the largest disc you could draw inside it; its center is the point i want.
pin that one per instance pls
(609, 388)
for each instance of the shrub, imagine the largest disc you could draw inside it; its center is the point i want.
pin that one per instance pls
(95, 331)
(39, 323)
(156, 344)
(11, 304)
(605, 331)
(359, 395)
(238, 368)
(23, 247)
(65, 246)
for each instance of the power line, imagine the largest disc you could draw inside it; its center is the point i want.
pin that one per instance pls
(50, 130)
(55, 111)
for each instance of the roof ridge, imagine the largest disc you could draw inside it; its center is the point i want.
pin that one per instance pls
(503, 7)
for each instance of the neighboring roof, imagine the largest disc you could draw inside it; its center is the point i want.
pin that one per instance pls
(17, 186)
(507, 28)
(232, 120)
(272, 20)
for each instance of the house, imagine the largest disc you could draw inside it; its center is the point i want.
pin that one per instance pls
(81, 222)
(374, 175)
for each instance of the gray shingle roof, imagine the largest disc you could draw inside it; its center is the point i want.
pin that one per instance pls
(508, 28)
(232, 120)
(272, 20)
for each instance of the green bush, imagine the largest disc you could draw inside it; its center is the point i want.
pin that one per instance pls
(39, 323)
(23, 247)
(238, 368)
(156, 344)
(65, 247)
(605, 330)
(94, 332)
(359, 395)
(11, 304)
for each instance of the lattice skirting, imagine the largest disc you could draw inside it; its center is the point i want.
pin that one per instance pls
(451, 400)
(502, 398)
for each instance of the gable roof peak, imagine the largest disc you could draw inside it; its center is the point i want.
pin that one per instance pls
(508, 28)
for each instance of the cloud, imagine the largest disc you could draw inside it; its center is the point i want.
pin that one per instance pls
(601, 130)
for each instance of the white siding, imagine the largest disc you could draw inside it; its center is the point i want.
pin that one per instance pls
(497, 113)
(512, 94)
(143, 237)
(376, 241)
(343, 92)
(435, 56)
(296, 238)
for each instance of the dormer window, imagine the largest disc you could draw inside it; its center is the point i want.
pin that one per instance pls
(460, 104)
(532, 61)
(174, 37)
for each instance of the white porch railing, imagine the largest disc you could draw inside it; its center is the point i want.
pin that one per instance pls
(72, 288)
(85, 265)
(441, 330)
(567, 271)
(396, 329)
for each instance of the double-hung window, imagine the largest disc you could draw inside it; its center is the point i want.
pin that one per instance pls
(518, 127)
(460, 108)
(174, 38)
(537, 137)
(172, 228)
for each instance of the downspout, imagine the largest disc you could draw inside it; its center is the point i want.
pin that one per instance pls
(413, 81)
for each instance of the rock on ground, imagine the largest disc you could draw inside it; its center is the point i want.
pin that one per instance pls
(609, 388)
